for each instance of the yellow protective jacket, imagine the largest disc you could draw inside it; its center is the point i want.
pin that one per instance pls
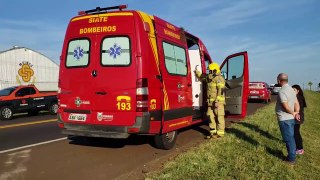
(215, 86)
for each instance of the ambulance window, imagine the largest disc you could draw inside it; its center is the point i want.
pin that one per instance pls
(78, 53)
(234, 68)
(116, 51)
(175, 59)
(207, 62)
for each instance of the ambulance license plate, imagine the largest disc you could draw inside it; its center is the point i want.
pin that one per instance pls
(254, 97)
(77, 117)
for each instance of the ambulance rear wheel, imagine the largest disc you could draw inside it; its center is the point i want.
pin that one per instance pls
(166, 141)
(6, 113)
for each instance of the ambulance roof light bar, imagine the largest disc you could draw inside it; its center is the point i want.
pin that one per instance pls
(99, 9)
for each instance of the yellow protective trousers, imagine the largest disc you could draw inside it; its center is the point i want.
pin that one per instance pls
(216, 117)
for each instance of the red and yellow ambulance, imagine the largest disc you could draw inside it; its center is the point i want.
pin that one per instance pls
(126, 72)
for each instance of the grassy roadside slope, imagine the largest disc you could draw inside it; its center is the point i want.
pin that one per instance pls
(252, 149)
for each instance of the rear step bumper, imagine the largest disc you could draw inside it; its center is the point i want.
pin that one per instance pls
(96, 134)
(116, 132)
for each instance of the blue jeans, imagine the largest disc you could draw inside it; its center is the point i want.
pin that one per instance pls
(287, 132)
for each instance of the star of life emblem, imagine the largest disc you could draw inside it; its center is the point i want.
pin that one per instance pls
(115, 51)
(78, 53)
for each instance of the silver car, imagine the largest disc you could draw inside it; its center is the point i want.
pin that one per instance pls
(276, 88)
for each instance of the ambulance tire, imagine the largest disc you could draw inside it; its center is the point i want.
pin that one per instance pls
(53, 108)
(166, 141)
(6, 113)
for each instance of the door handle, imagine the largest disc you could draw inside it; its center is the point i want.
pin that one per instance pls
(179, 85)
(189, 85)
(101, 93)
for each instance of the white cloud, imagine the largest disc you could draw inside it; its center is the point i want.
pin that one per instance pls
(268, 57)
(20, 23)
(208, 20)
(237, 13)
(43, 37)
(300, 61)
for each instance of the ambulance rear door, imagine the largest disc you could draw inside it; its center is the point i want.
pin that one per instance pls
(235, 70)
(76, 76)
(115, 89)
(98, 82)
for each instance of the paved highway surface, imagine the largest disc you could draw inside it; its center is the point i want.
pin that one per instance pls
(34, 148)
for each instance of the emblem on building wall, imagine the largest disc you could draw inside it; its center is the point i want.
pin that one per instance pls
(25, 73)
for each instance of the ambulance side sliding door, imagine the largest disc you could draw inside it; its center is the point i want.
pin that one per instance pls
(176, 79)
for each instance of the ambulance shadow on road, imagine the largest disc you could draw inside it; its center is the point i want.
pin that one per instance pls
(110, 143)
(131, 140)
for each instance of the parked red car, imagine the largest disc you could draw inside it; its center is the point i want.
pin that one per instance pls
(259, 91)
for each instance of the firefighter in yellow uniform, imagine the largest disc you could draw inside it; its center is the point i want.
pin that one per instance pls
(215, 99)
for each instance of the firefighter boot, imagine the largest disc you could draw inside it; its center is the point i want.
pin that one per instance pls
(213, 133)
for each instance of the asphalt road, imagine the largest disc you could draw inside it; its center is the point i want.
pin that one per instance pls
(24, 130)
(80, 158)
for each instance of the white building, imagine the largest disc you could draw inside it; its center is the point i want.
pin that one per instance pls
(20, 66)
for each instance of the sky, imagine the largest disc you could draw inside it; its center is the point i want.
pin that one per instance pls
(279, 36)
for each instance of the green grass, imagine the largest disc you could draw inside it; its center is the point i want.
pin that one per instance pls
(252, 149)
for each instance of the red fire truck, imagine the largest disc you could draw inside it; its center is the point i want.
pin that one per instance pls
(126, 72)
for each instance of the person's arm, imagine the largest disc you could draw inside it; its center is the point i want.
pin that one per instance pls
(297, 110)
(287, 108)
(284, 102)
(199, 75)
(296, 106)
(220, 86)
